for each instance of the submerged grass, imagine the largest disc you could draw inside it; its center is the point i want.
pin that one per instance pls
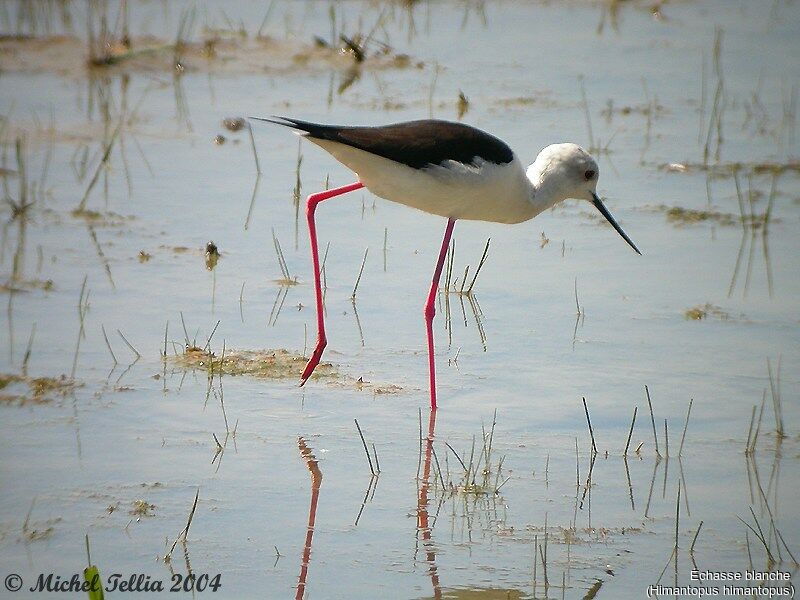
(142, 508)
(481, 472)
(269, 364)
(677, 215)
(33, 532)
(723, 170)
(22, 389)
(704, 311)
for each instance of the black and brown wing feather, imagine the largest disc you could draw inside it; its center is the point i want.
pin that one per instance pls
(413, 143)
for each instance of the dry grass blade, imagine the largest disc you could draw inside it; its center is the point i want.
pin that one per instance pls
(108, 344)
(747, 449)
(677, 521)
(760, 535)
(589, 421)
(366, 451)
(774, 388)
(464, 280)
(124, 339)
(488, 446)
(281, 260)
(630, 432)
(298, 184)
(166, 333)
(758, 423)
(185, 531)
(207, 347)
(377, 464)
(685, 426)
(664, 570)
(253, 145)
(652, 419)
(83, 306)
(360, 273)
(185, 332)
(451, 252)
(785, 545)
(25, 527)
(480, 266)
(23, 179)
(466, 470)
(544, 564)
(103, 161)
(438, 467)
(694, 539)
(27, 356)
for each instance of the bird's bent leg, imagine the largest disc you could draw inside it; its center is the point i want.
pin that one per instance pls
(311, 207)
(430, 308)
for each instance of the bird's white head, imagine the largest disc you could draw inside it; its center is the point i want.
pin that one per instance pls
(564, 171)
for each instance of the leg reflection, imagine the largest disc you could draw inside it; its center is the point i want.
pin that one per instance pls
(423, 525)
(316, 482)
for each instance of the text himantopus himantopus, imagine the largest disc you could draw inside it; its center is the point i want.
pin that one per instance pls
(451, 170)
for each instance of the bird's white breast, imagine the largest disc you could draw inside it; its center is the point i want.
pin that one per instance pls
(499, 193)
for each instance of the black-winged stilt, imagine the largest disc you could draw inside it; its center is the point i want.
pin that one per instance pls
(451, 170)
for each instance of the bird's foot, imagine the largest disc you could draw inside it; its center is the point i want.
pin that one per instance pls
(313, 361)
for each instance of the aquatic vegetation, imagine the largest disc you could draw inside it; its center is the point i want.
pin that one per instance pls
(729, 169)
(678, 215)
(19, 285)
(482, 471)
(37, 531)
(142, 508)
(67, 55)
(22, 389)
(212, 256)
(269, 364)
(704, 311)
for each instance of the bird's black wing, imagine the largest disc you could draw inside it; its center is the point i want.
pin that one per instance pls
(413, 143)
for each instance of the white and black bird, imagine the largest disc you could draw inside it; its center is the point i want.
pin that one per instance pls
(448, 169)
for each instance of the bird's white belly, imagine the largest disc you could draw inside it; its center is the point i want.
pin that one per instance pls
(486, 192)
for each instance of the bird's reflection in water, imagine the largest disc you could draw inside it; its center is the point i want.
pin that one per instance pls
(423, 518)
(426, 520)
(316, 483)
(754, 225)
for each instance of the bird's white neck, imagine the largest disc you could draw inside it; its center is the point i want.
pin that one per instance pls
(545, 191)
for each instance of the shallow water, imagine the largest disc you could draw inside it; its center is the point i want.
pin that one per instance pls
(146, 431)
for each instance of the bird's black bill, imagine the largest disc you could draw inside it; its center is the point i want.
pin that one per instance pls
(604, 211)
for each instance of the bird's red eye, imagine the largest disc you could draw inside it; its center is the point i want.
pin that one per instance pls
(589, 174)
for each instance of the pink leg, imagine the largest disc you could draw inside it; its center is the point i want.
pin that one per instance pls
(430, 308)
(311, 207)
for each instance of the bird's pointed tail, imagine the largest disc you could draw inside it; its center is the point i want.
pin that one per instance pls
(316, 130)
